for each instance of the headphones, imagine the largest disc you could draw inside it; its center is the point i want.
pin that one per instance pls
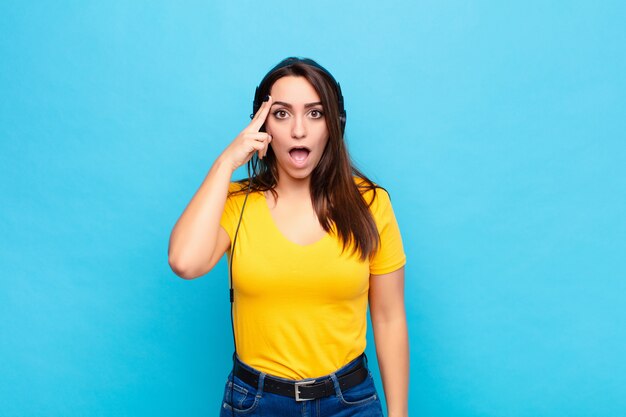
(258, 100)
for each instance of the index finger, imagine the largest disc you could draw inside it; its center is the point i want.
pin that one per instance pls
(261, 115)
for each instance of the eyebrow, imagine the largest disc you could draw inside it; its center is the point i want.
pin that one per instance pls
(306, 106)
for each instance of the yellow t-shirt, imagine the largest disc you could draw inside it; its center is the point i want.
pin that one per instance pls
(301, 311)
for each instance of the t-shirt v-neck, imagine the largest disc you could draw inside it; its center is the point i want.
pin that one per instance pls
(265, 203)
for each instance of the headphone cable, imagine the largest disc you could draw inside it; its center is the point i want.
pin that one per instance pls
(251, 163)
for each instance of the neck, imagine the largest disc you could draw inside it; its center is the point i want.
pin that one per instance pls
(294, 188)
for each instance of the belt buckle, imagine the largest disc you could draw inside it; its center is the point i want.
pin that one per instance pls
(297, 386)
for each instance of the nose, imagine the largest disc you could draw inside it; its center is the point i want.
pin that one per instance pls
(298, 129)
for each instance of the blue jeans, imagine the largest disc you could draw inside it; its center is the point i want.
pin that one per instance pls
(360, 400)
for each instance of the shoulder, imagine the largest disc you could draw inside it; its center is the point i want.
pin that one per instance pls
(376, 198)
(237, 186)
(375, 195)
(238, 189)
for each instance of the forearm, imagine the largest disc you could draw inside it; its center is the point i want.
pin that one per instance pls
(392, 349)
(193, 239)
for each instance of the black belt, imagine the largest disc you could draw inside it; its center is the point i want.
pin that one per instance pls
(304, 390)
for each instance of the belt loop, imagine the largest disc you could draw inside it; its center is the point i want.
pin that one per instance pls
(335, 382)
(365, 357)
(259, 392)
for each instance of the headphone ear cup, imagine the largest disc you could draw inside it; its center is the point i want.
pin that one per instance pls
(342, 108)
(342, 121)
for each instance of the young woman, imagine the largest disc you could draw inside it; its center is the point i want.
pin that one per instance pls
(310, 240)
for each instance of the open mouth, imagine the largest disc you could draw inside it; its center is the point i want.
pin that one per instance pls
(299, 154)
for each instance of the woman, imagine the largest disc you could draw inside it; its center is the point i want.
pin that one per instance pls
(310, 241)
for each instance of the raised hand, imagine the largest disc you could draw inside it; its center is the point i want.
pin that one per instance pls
(250, 140)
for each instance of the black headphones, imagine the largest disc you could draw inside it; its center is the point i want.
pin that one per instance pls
(258, 100)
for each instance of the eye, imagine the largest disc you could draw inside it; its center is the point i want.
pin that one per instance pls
(316, 114)
(280, 114)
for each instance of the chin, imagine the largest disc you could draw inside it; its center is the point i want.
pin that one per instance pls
(300, 175)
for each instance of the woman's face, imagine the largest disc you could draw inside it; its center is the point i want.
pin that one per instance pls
(297, 124)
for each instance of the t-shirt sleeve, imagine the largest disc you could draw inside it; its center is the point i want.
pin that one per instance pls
(230, 216)
(390, 255)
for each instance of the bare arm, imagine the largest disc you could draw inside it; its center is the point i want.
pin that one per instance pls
(197, 241)
(386, 299)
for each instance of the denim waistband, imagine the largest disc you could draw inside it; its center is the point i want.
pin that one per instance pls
(362, 358)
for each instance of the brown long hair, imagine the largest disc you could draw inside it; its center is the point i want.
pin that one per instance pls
(337, 199)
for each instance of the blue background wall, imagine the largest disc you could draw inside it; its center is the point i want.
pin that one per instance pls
(498, 128)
